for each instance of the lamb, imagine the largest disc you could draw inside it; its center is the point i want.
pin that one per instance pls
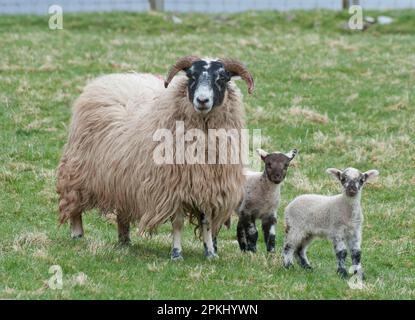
(109, 160)
(338, 218)
(261, 200)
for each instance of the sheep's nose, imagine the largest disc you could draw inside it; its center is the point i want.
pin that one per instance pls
(202, 100)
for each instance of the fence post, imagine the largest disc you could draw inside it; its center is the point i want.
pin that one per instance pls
(347, 3)
(157, 5)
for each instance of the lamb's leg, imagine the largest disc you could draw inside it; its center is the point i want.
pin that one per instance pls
(123, 224)
(354, 246)
(251, 233)
(207, 238)
(301, 252)
(288, 254)
(341, 254)
(291, 243)
(241, 235)
(176, 253)
(268, 228)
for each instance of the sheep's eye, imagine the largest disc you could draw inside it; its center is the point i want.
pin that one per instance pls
(223, 77)
(343, 179)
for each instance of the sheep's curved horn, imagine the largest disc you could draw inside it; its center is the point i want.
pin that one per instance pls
(182, 63)
(239, 69)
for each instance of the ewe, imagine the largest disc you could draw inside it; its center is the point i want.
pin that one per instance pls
(108, 162)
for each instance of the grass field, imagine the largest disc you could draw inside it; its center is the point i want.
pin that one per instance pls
(343, 98)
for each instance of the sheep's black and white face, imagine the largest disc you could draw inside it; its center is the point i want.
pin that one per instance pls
(207, 84)
(276, 164)
(352, 179)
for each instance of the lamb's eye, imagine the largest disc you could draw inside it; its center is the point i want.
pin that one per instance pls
(343, 179)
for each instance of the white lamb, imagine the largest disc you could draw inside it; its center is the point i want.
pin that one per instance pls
(338, 218)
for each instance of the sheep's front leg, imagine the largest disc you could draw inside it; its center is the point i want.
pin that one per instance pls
(207, 238)
(341, 254)
(354, 246)
(77, 230)
(268, 228)
(176, 253)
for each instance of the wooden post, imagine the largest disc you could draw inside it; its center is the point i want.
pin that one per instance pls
(345, 4)
(157, 5)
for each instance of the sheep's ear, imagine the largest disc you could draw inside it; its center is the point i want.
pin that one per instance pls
(262, 153)
(291, 154)
(334, 172)
(371, 175)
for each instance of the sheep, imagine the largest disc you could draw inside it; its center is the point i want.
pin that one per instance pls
(109, 160)
(261, 200)
(338, 218)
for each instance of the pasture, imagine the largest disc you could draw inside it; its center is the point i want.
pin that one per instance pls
(342, 98)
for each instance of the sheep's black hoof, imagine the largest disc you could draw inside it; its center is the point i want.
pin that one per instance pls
(124, 242)
(342, 273)
(211, 255)
(176, 255)
(288, 265)
(271, 251)
(77, 236)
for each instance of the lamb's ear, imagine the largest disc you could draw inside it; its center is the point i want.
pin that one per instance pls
(291, 154)
(334, 172)
(371, 175)
(262, 153)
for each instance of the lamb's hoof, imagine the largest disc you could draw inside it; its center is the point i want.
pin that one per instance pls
(307, 267)
(360, 275)
(211, 255)
(176, 255)
(342, 273)
(271, 251)
(77, 235)
(288, 265)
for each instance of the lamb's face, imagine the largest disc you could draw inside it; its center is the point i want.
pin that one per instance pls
(276, 164)
(352, 180)
(207, 84)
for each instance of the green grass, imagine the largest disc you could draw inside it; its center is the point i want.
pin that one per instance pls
(343, 98)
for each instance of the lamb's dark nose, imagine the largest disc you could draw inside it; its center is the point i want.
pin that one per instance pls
(202, 100)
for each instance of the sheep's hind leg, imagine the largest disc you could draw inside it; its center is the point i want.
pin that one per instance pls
(341, 254)
(301, 253)
(291, 243)
(176, 253)
(268, 228)
(207, 238)
(123, 230)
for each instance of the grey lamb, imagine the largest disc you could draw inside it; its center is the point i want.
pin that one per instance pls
(261, 199)
(338, 218)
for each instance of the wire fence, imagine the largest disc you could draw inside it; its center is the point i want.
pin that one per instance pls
(212, 6)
